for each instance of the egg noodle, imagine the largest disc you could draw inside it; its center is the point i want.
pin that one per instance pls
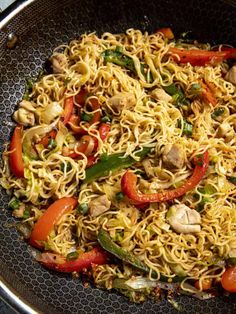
(146, 120)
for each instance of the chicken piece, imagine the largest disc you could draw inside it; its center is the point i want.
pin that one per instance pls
(99, 205)
(59, 63)
(160, 94)
(226, 131)
(184, 219)
(121, 100)
(148, 167)
(231, 75)
(25, 114)
(19, 212)
(173, 156)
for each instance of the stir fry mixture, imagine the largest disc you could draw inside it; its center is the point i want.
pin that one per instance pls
(122, 165)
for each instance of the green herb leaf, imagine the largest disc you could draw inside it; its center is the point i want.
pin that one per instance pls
(26, 213)
(119, 196)
(217, 112)
(83, 208)
(14, 204)
(72, 256)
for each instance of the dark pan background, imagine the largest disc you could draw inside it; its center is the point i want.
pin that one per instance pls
(41, 26)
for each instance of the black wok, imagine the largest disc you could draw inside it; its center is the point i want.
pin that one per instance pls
(41, 25)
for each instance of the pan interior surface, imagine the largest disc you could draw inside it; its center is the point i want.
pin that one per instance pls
(40, 27)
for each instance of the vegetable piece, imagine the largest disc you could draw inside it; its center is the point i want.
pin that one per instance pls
(26, 213)
(232, 179)
(104, 129)
(129, 180)
(47, 138)
(28, 89)
(200, 295)
(74, 125)
(206, 284)
(140, 283)
(91, 161)
(109, 245)
(119, 58)
(72, 256)
(86, 146)
(49, 113)
(50, 217)
(187, 128)
(114, 162)
(68, 109)
(119, 196)
(84, 261)
(197, 57)
(105, 119)
(86, 117)
(207, 95)
(82, 208)
(14, 203)
(177, 94)
(217, 113)
(80, 98)
(228, 279)
(15, 156)
(167, 32)
(95, 106)
(195, 89)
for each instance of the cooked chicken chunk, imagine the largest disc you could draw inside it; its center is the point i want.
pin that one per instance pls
(99, 205)
(173, 156)
(18, 213)
(160, 94)
(231, 75)
(25, 114)
(226, 131)
(148, 167)
(184, 219)
(121, 100)
(59, 63)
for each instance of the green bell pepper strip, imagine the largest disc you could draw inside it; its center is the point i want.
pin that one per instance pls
(177, 94)
(112, 163)
(110, 246)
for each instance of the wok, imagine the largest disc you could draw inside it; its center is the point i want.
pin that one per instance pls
(41, 25)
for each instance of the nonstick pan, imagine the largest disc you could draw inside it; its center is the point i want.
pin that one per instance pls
(41, 25)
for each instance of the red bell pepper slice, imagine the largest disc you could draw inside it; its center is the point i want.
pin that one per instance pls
(167, 32)
(80, 98)
(50, 217)
(46, 139)
(207, 95)
(91, 160)
(86, 145)
(68, 109)
(74, 125)
(15, 156)
(85, 260)
(199, 57)
(95, 106)
(104, 129)
(129, 180)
